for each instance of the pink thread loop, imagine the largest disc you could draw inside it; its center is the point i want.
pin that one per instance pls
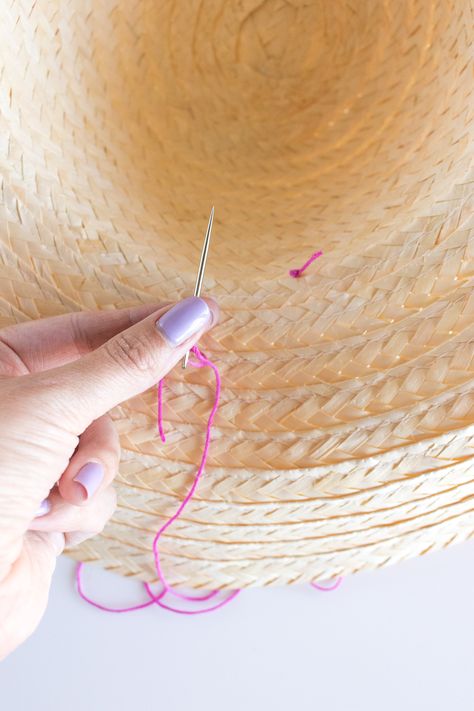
(106, 608)
(192, 598)
(295, 273)
(157, 599)
(327, 588)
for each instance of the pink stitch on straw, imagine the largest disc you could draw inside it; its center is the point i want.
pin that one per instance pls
(295, 273)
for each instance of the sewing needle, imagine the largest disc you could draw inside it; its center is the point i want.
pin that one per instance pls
(202, 266)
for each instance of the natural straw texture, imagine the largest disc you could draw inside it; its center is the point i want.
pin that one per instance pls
(344, 436)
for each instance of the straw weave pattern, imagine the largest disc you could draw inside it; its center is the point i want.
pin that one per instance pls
(344, 439)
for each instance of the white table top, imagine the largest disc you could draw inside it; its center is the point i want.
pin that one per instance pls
(394, 640)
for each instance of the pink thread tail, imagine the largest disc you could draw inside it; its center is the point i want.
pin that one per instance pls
(329, 587)
(157, 599)
(295, 273)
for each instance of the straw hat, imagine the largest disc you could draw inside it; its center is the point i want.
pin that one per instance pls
(344, 437)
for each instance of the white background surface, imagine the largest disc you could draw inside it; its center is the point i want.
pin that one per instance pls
(396, 639)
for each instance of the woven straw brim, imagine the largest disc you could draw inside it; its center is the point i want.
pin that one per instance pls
(344, 438)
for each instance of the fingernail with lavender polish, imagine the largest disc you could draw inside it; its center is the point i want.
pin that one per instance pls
(44, 508)
(184, 320)
(90, 477)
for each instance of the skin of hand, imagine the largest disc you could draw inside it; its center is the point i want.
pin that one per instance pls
(59, 377)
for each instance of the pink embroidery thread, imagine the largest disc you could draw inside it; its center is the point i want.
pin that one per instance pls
(157, 599)
(295, 273)
(201, 362)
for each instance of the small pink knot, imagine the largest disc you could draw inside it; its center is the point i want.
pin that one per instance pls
(295, 273)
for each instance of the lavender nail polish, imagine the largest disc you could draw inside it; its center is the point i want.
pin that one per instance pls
(90, 477)
(184, 320)
(44, 508)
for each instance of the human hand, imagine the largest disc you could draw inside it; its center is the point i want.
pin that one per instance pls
(59, 451)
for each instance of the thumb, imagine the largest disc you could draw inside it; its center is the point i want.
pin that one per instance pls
(129, 363)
